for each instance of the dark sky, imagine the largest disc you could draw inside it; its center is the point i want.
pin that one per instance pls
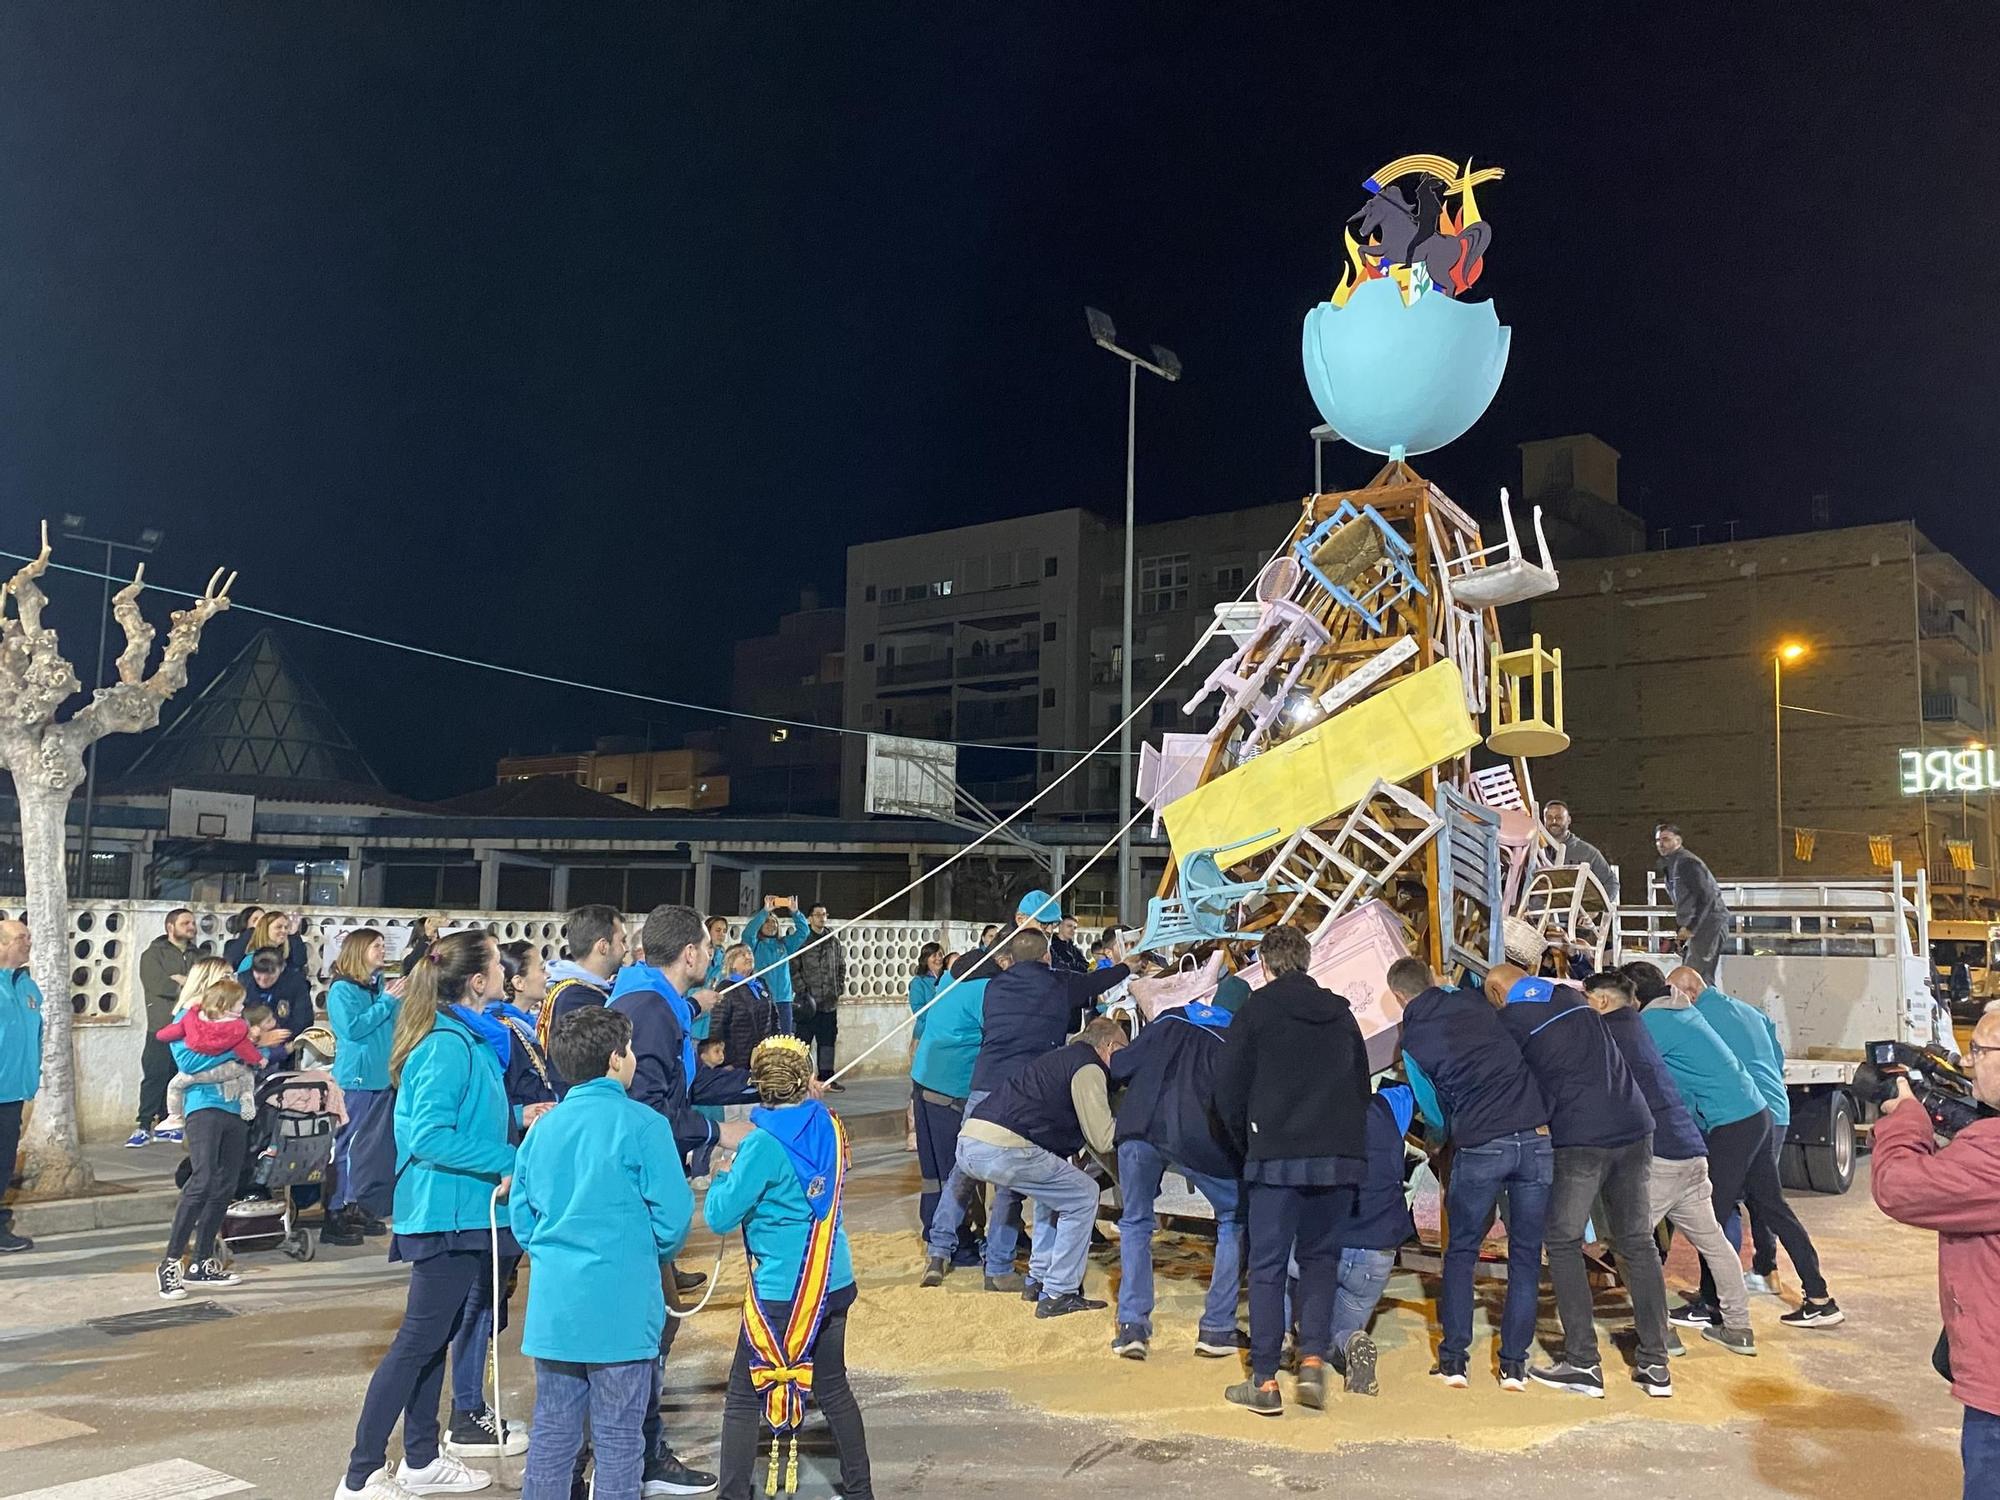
(582, 336)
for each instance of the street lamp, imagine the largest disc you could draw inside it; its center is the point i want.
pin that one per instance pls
(1165, 364)
(1789, 651)
(149, 541)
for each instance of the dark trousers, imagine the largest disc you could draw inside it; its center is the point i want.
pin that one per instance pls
(1703, 953)
(1622, 1175)
(361, 1103)
(1763, 1239)
(10, 1147)
(831, 1394)
(820, 1025)
(410, 1379)
(1285, 1221)
(1979, 1454)
(156, 1071)
(1741, 1168)
(937, 1120)
(216, 1141)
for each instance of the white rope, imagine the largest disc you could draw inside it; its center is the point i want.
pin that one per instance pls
(493, 1343)
(714, 1280)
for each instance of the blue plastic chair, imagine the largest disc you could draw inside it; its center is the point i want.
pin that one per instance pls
(1201, 910)
(1400, 581)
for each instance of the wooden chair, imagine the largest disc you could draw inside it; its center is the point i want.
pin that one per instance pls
(1524, 843)
(1468, 891)
(1489, 577)
(1171, 770)
(1537, 727)
(1573, 899)
(1203, 907)
(1348, 546)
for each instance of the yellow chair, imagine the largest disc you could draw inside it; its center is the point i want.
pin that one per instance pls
(1538, 674)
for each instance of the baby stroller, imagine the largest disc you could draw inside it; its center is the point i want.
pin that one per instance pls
(291, 1146)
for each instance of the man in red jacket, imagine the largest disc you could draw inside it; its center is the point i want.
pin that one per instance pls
(1956, 1191)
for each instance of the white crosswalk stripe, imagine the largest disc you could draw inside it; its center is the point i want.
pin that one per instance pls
(172, 1479)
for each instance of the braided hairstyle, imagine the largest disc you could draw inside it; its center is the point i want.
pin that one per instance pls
(781, 1070)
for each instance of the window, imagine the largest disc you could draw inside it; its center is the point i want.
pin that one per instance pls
(868, 651)
(892, 596)
(1049, 566)
(1048, 697)
(1163, 583)
(1048, 630)
(621, 788)
(868, 594)
(1230, 580)
(941, 588)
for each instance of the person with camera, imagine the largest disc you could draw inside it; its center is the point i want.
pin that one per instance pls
(1955, 1190)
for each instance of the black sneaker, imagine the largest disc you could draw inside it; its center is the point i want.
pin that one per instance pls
(1311, 1384)
(342, 1228)
(1578, 1380)
(210, 1272)
(1130, 1342)
(1824, 1313)
(1696, 1315)
(1357, 1357)
(1513, 1374)
(1262, 1399)
(479, 1434)
(835, 1086)
(1066, 1303)
(14, 1244)
(1224, 1346)
(1652, 1379)
(689, 1281)
(1031, 1290)
(1007, 1281)
(1453, 1375)
(667, 1475)
(169, 1273)
(935, 1271)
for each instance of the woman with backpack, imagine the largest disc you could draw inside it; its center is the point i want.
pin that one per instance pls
(453, 1148)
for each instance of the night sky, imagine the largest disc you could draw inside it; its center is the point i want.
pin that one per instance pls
(581, 337)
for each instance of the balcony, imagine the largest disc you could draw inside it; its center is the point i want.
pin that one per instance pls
(1944, 873)
(1019, 597)
(1950, 708)
(1019, 719)
(1003, 795)
(892, 674)
(1018, 663)
(1943, 625)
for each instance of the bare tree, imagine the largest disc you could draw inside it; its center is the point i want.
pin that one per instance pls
(45, 758)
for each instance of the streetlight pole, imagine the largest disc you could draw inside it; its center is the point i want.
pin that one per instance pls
(1789, 651)
(149, 541)
(1165, 364)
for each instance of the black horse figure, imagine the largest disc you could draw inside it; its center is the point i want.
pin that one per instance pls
(1407, 235)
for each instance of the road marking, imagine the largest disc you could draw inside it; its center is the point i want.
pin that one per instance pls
(172, 1479)
(30, 1429)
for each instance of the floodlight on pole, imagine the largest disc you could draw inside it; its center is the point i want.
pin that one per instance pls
(1167, 365)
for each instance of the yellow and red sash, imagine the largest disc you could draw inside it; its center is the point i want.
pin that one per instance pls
(781, 1368)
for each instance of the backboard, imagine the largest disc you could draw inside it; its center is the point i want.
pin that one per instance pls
(210, 815)
(911, 778)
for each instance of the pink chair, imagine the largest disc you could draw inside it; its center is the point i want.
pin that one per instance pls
(1524, 844)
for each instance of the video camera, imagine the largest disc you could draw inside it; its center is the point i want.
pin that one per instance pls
(1940, 1083)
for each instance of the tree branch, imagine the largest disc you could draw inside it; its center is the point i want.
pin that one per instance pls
(34, 678)
(133, 702)
(138, 634)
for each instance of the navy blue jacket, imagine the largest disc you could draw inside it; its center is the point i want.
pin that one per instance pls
(1594, 1099)
(1675, 1135)
(1482, 1081)
(660, 1082)
(1168, 1074)
(1381, 1219)
(1032, 1009)
(1036, 1101)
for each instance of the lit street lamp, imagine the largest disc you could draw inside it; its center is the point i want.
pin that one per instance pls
(148, 543)
(1165, 364)
(1790, 651)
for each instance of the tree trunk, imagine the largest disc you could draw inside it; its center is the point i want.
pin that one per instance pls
(52, 1161)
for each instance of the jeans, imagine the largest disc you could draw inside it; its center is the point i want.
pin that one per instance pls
(1140, 1167)
(1679, 1192)
(1741, 1168)
(1003, 1211)
(612, 1400)
(1523, 1166)
(1622, 1174)
(1764, 1240)
(361, 1103)
(216, 1141)
(156, 1070)
(1979, 1454)
(1287, 1222)
(410, 1378)
(936, 1120)
(1065, 1208)
(1363, 1274)
(475, 1336)
(831, 1393)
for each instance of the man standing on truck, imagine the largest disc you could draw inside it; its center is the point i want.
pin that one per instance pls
(1699, 913)
(1571, 850)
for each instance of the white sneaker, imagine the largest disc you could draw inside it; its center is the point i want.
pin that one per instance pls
(445, 1476)
(1760, 1286)
(381, 1485)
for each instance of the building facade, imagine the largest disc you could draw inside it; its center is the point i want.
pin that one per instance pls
(1675, 663)
(796, 672)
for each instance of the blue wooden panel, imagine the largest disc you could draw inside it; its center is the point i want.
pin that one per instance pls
(1469, 881)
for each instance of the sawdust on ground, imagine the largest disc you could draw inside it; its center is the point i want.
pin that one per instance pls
(959, 1336)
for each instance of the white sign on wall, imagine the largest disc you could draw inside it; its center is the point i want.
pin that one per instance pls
(1964, 770)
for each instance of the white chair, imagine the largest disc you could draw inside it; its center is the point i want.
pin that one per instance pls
(1572, 899)
(1255, 678)
(1488, 577)
(1171, 771)
(1360, 860)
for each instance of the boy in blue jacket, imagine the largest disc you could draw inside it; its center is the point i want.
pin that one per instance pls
(600, 1205)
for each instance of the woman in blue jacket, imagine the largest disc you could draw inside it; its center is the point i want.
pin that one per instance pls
(20, 1061)
(452, 1152)
(362, 1012)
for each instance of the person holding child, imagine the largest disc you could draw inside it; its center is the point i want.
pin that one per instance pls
(601, 1205)
(784, 1190)
(453, 1151)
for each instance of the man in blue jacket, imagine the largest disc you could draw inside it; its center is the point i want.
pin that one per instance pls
(20, 1063)
(1168, 1074)
(942, 1075)
(1603, 1136)
(601, 1206)
(1474, 1087)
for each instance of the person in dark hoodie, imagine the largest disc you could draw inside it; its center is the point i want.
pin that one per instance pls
(271, 981)
(1603, 1135)
(1168, 1074)
(1473, 1085)
(1292, 1096)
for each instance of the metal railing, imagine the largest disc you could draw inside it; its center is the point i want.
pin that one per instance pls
(1943, 625)
(1887, 918)
(1950, 708)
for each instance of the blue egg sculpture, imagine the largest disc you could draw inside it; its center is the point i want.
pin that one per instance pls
(1399, 379)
